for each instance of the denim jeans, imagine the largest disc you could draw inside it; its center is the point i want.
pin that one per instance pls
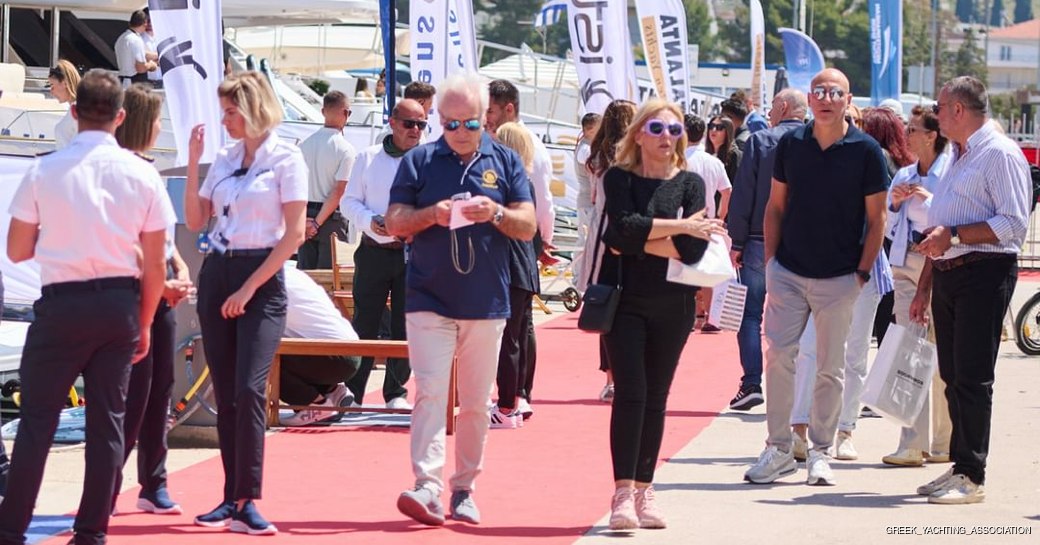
(749, 337)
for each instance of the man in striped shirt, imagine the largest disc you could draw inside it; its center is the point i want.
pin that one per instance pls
(978, 222)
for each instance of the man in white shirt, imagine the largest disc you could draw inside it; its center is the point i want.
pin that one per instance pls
(132, 57)
(708, 167)
(329, 159)
(150, 46)
(314, 380)
(94, 216)
(379, 268)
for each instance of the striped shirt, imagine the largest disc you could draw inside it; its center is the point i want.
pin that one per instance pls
(987, 181)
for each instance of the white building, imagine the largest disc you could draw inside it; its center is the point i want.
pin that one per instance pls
(1013, 57)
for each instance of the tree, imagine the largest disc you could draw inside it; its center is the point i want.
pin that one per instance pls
(1023, 10)
(698, 29)
(968, 60)
(511, 23)
(967, 11)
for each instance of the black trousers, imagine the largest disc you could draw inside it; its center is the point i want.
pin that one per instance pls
(644, 346)
(530, 356)
(513, 356)
(93, 333)
(305, 378)
(239, 352)
(148, 406)
(316, 253)
(968, 306)
(5, 464)
(379, 273)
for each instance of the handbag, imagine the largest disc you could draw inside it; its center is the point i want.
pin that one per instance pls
(600, 301)
(714, 268)
(900, 379)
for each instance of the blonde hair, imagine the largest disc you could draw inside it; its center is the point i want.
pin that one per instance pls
(66, 74)
(256, 101)
(516, 137)
(628, 156)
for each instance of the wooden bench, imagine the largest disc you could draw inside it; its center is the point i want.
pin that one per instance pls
(322, 347)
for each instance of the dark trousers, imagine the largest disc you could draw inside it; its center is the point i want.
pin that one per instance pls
(512, 356)
(93, 333)
(530, 355)
(378, 273)
(239, 352)
(644, 344)
(148, 406)
(305, 378)
(316, 253)
(968, 306)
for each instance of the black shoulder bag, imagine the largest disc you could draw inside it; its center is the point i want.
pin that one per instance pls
(600, 302)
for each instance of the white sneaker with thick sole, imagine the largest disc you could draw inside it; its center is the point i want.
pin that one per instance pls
(307, 417)
(905, 457)
(959, 489)
(524, 407)
(935, 484)
(845, 450)
(819, 467)
(399, 403)
(772, 464)
(504, 421)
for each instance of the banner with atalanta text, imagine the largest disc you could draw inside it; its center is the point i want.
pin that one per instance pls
(886, 50)
(602, 50)
(662, 24)
(443, 43)
(191, 56)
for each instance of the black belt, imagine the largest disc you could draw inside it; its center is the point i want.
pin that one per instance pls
(314, 207)
(97, 284)
(945, 265)
(252, 252)
(369, 241)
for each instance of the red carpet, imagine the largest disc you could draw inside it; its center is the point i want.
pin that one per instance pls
(550, 481)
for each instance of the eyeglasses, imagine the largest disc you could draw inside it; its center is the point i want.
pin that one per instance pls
(470, 124)
(910, 129)
(834, 93)
(413, 123)
(716, 127)
(56, 73)
(656, 127)
(936, 107)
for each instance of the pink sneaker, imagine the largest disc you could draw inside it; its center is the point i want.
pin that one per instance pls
(646, 509)
(623, 510)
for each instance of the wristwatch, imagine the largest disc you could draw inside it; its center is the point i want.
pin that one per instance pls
(865, 275)
(955, 239)
(500, 214)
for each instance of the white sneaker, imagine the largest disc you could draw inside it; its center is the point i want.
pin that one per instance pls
(935, 484)
(525, 408)
(772, 464)
(606, 395)
(958, 489)
(339, 396)
(845, 450)
(905, 457)
(504, 421)
(400, 403)
(307, 417)
(819, 467)
(800, 448)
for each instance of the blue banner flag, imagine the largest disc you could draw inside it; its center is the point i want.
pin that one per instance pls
(886, 50)
(803, 58)
(551, 13)
(387, 24)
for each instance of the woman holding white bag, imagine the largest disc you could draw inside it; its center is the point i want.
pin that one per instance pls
(645, 191)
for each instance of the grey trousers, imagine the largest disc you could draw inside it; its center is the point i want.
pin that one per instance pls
(791, 299)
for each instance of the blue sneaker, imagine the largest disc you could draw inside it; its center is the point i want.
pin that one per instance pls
(249, 521)
(158, 502)
(218, 517)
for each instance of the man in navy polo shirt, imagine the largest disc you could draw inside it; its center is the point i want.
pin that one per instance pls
(824, 224)
(458, 201)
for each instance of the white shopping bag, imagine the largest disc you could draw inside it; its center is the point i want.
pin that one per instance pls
(713, 269)
(901, 377)
(727, 305)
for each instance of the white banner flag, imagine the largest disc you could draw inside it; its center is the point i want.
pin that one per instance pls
(443, 43)
(758, 55)
(663, 26)
(189, 42)
(602, 51)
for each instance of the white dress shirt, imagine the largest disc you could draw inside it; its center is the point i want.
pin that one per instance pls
(368, 193)
(150, 45)
(248, 207)
(310, 313)
(92, 200)
(988, 182)
(916, 207)
(129, 50)
(712, 170)
(329, 158)
(65, 130)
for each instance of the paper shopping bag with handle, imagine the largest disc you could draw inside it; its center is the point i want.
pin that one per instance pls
(901, 377)
(727, 305)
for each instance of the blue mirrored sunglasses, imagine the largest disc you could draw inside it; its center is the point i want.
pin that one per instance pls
(470, 124)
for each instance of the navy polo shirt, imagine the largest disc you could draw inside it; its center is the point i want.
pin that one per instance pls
(821, 233)
(431, 173)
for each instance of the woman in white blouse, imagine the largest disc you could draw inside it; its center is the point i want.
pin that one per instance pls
(64, 79)
(253, 201)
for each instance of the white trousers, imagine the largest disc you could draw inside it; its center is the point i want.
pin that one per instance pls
(433, 341)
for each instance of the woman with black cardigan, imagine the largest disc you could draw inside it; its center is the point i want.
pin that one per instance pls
(655, 211)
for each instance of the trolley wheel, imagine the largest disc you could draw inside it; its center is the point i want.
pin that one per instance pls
(1027, 327)
(571, 299)
(10, 387)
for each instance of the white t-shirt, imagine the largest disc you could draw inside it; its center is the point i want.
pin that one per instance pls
(712, 170)
(541, 179)
(92, 200)
(65, 130)
(129, 50)
(581, 155)
(248, 207)
(368, 193)
(329, 158)
(149, 45)
(311, 314)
